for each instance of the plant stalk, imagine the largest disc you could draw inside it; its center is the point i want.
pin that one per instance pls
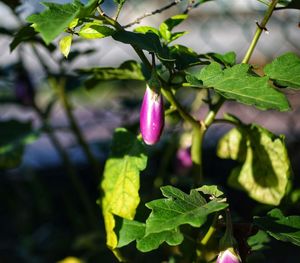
(83, 196)
(75, 128)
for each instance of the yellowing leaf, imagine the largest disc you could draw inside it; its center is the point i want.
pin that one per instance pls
(71, 260)
(266, 168)
(65, 45)
(74, 23)
(121, 181)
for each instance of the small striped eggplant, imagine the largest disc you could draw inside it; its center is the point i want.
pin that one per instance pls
(228, 256)
(152, 116)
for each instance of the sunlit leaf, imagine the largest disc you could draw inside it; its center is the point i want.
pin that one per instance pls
(93, 30)
(212, 190)
(285, 70)
(167, 26)
(238, 84)
(121, 181)
(145, 29)
(65, 45)
(179, 208)
(168, 214)
(57, 17)
(265, 169)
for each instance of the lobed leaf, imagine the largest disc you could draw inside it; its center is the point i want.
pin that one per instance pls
(166, 217)
(265, 169)
(57, 17)
(280, 227)
(238, 84)
(179, 208)
(121, 181)
(285, 70)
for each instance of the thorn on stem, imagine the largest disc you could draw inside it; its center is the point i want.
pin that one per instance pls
(262, 27)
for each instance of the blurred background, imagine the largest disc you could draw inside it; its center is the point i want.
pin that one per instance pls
(48, 205)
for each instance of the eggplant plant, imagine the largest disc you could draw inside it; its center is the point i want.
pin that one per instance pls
(195, 221)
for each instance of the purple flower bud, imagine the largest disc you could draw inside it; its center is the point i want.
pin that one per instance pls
(184, 157)
(152, 116)
(228, 256)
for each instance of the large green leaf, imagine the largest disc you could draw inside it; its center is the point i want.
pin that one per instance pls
(266, 168)
(128, 231)
(179, 208)
(283, 228)
(285, 70)
(131, 230)
(167, 216)
(154, 240)
(14, 135)
(148, 41)
(56, 17)
(121, 181)
(238, 84)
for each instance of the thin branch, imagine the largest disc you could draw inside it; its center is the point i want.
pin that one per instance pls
(157, 11)
(190, 6)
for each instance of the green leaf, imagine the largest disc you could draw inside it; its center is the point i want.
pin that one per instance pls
(148, 41)
(129, 70)
(283, 228)
(236, 83)
(145, 29)
(121, 181)
(129, 231)
(25, 33)
(177, 35)
(184, 57)
(227, 59)
(65, 45)
(166, 27)
(14, 135)
(291, 4)
(212, 190)
(173, 21)
(266, 168)
(56, 17)
(94, 30)
(179, 208)
(154, 240)
(285, 70)
(259, 241)
(166, 217)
